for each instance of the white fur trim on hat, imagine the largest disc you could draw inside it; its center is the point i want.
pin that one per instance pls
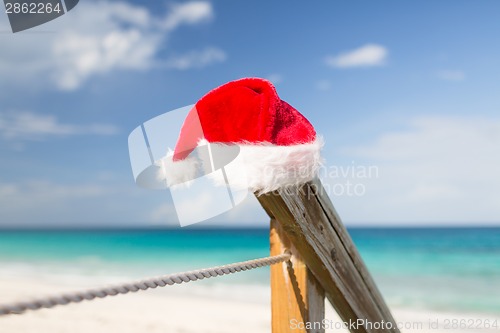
(261, 168)
(178, 172)
(265, 167)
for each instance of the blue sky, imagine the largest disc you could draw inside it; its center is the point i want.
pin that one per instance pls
(411, 89)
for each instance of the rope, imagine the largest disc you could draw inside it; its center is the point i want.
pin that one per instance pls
(162, 281)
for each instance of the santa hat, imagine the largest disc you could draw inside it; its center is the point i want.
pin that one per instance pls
(278, 146)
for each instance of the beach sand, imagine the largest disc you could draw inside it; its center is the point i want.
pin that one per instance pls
(175, 309)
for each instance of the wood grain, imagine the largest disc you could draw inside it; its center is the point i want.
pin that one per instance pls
(297, 299)
(312, 226)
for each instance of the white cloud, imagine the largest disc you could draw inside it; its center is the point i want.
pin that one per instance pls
(249, 213)
(51, 203)
(45, 190)
(365, 56)
(94, 39)
(32, 126)
(451, 75)
(164, 214)
(188, 13)
(439, 170)
(80, 57)
(196, 59)
(43, 200)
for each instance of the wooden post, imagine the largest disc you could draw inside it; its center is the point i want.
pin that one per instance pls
(297, 300)
(307, 217)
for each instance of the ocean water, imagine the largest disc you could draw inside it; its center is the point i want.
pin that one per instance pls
(449, 269)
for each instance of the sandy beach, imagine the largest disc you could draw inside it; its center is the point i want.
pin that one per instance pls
(180, 310)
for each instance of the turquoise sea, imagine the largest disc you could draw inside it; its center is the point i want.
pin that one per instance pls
(448, 269)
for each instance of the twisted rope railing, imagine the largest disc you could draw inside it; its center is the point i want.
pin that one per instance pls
(162, 281)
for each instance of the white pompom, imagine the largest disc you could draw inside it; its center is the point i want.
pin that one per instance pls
(177, 172)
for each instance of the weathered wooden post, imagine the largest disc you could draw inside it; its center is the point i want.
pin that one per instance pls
(296, 296)
(304, 221)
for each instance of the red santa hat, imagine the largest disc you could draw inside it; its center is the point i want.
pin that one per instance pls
(278, 146)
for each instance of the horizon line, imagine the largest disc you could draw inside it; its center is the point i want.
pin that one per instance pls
(231, 228)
